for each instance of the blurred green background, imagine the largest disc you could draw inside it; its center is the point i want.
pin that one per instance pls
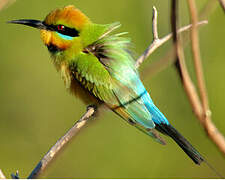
(36, 110)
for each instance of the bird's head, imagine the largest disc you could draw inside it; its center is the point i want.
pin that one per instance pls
(64, 28)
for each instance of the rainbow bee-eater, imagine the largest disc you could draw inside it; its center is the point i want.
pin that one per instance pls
(98, 67)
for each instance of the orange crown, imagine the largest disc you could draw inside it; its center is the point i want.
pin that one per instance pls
(69, 16)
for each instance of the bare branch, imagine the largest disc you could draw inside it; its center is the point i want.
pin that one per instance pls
(202, 112)
(2, 176)
(51, 154)
(196, 56)
(156, 43)
(169, 57)
(200, 109)
(222, 3)
(214, 134)
(205, 120)
(154, 24)
(181, 65)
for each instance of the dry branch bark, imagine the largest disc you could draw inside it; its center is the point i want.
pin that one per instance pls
(157, 42)
(181, 65)
(205, 118)
(169, 58)
(60, 144)
(200, 108)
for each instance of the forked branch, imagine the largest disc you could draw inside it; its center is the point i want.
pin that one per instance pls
(205, 119)
(169, 57)
(157, 42)
(199, 107)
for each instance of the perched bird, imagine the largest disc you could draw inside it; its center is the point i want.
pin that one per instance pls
(98, 67)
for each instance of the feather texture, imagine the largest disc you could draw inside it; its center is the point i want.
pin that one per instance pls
(109, 66)
(99, 68)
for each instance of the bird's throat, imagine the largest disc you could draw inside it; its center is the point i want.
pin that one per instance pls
(53, 48)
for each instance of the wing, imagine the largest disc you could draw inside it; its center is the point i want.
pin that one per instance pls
(106, 69)
(135, 102)
(121, 98)
(87, 69)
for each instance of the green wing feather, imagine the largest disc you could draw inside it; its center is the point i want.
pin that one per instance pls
(93, 76)
(103, 65)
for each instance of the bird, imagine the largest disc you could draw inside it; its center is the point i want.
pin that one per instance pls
(98, 67)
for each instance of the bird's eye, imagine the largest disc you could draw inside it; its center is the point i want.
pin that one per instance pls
(68, 31)
(60, 27)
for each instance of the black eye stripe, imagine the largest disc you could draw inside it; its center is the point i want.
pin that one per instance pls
(66, 30)
(63, 30)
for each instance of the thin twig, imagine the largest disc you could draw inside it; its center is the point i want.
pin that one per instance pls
(156, 43)
(154, 24)
(200, 109)
(158, 66)
(51, 154)
(169, 57)
(2, 176)
(197, 57)
(205, 120)
(181, 65)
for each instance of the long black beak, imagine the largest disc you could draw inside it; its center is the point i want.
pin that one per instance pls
(30, 22)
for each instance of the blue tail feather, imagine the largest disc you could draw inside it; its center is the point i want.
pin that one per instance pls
(157, 116)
